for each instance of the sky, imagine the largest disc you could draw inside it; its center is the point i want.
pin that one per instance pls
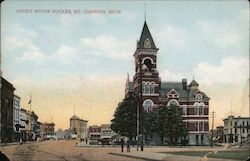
(81, 59)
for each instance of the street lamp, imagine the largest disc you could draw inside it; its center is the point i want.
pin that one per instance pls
(240, 131)
(142, 131)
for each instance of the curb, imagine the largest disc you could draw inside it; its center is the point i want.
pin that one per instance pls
(135, 157)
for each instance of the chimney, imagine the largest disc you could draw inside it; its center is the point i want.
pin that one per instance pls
(184, 84)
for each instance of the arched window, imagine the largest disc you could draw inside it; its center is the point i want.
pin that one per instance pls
(173, 102)
(199, 108)
(198, 97)
(148, 64)
(148, 105)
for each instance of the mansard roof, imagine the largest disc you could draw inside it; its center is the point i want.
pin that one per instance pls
(144, 35)
(187, 93)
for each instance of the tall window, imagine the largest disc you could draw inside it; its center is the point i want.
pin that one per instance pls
(184, 110)
(201, 126)
(143, 87)
(196, 126)
(147, 88)
(199, 108)
(152, 88)
(148, 105)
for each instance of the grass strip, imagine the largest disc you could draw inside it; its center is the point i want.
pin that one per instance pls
(189, 153)
(135, 157)
(232, 154)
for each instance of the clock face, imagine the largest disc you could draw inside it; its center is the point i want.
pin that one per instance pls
(147, 43)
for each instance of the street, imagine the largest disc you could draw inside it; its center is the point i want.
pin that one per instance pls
(67, 150)
(59, 150)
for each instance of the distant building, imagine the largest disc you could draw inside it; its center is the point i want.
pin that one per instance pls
(28, 126)
(7, 96)
(79, 127)
(94, 134)
(49, 130)
(41, 131)
(23, 123)
(218, 134)
(16, 117)
(106, 131)
(236, 129)
(34, 125)
(60, 134)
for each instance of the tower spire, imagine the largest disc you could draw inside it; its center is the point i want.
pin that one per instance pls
(145, 11)
(74, 109)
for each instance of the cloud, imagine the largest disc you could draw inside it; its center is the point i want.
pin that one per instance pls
(19, 41)
(108, 46)
(223, 34)
(34, 55)
(174, 37)
(65, 54)
(169, 75)
(230, 70)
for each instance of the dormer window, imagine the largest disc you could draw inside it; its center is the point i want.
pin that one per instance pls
(198, 97)
(173, 94)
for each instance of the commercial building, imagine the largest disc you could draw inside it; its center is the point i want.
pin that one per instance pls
(106, 131)
(6, 111)
(49, 130)
(236, 129)
(94, 134)
(16, 117)
(155, 92)
(24, 124)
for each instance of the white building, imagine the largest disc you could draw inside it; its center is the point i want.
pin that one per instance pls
(236, 129)
(16, 117)
(79, 127)
(23, 123)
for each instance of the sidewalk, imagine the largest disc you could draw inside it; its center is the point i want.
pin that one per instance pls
(144, 155)
(153, 156)
(16, 143)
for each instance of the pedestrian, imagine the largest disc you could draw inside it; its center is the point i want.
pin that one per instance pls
(3, 157)
(86, 141)
(128, 148)
(122, 143)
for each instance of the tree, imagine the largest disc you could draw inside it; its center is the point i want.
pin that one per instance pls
(170, 124)
(162, 120)
(150, 124)
(124, 121)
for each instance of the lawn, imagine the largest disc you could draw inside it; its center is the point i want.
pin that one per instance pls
(232, 154)
(235, 154)
(189, 153)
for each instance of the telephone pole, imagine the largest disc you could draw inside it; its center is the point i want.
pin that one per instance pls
(212, 141)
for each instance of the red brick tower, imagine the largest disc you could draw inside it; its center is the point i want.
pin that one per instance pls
(146, 55)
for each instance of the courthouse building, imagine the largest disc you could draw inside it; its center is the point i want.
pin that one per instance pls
(155, 92)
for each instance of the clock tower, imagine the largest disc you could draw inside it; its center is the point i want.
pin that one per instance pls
(146, 57)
